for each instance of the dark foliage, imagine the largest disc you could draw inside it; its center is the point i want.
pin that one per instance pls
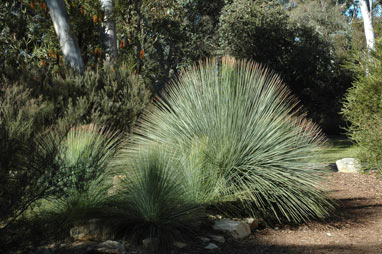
(363, 109)
(27, 172)
(305, 60)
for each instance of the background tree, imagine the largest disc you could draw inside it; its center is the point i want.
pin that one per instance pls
(367, 16)
(68, 43)
(109, 30)
(307, 54)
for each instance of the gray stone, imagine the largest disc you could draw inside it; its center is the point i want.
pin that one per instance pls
(93, 230)
(218, 238)
(179, 245)
(117, 182)
(211, 246)
(237, 229)
(204, 239)
(81, 247)
(112, 247)
(83, 243)
(348, 165)
(151, 243)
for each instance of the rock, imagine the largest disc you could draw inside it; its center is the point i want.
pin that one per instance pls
(81, 247)
(348, 165)
(218, 238)
(78, 233)
(112, 247)
(211, 246)
(179, 245)
(117, 180)
(204, 239)
(252, 223)
(93, 230)
(83, 243)
(151, 243)
(237, 229)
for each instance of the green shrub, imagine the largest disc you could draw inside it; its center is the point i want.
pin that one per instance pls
(240, 124)
(363, 109)
(110, 96)
(27, 173)
(305, 59)
(257, 30)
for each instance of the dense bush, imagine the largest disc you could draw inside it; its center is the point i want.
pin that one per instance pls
(27, 173)
(240, 139)
(363, 108)
(257, 30)
(110, 96)
(305, 59)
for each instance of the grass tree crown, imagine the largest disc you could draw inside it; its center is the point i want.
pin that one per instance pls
(253, 138)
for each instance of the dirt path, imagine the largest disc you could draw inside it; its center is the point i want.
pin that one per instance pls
(356, 227)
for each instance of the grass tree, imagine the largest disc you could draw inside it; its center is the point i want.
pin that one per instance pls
(151, 200)
(82, 160)
(241, 139)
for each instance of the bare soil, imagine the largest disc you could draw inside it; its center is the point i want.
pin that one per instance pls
(355, 228)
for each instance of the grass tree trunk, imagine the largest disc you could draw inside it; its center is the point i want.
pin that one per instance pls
(68, 42)
(109, 32)
(367, 15)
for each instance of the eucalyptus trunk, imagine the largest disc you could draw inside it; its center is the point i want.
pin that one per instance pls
(367, 15)
(109, 32)
(66, 37)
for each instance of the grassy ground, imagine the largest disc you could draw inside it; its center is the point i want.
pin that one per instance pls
(339, 147)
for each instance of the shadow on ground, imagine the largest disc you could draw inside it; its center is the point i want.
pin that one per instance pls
(313, 249)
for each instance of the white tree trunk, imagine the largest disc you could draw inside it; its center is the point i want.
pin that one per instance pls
(367, 15)
(66, 37)
(109, 30)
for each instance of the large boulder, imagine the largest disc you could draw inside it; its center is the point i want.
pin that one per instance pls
(237, 229)
(348, 165)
